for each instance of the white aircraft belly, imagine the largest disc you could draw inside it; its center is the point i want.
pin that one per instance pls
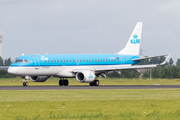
(60, 71)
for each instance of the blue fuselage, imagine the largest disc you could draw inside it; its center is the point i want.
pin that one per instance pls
(74, 60)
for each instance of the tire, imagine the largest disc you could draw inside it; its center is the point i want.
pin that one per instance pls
(91, 84)
(25, 83)
(66, 82)
(60, 82)
(96, 82)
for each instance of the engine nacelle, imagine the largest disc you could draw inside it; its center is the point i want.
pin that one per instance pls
(85, 76)
(39, 78)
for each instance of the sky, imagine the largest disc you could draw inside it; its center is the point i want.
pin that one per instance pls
(88, 26)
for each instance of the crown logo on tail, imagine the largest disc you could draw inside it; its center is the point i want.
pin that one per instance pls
(135, 36)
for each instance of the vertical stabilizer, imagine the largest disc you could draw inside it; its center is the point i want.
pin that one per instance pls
(133, 44)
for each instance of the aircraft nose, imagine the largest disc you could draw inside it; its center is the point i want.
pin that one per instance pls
(12, 70)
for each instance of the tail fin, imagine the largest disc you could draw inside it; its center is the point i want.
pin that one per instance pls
(133, 44)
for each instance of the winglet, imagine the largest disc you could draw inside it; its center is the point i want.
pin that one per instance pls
(163, 63)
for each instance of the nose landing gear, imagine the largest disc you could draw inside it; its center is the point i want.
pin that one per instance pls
(25, 83)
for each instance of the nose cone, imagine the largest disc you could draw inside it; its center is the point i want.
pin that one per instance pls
(12, 70)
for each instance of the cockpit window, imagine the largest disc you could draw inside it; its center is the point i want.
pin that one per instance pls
(21, 61)
(26, 61)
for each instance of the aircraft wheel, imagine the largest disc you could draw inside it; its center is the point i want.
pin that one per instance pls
(91, 84)
(25, 83)
(96, 82)
(66, 82)
(60, 82)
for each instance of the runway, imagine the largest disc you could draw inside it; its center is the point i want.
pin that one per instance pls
(89, 87)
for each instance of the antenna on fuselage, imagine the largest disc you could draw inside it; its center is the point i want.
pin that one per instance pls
(23, 54)
(46, 53)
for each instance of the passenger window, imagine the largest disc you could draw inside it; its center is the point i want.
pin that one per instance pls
(115, 60)
(73, 60)
(118, 60)
(55, 61)
(51, 60)
(67, 60)
(58, 60)
(101, 60)
(61, 60)
(109, 60)
(106, 60)
(89, 60)
(70, 60)
(93, 60)
(80, 60)
(83, 60)
(77, 61)
(48, 60)
(64, 61)
(112, 60)
(45, 61)
(96, 60)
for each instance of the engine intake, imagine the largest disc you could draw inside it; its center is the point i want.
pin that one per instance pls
(85, 76)
(39, 78)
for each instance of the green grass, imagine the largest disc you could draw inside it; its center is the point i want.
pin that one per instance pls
(103, 81)
(90, 104)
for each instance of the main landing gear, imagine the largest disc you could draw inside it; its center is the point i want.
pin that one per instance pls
(63, 82)
(94, 83)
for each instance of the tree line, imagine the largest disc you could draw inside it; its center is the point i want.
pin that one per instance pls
(4, 73)
(169, 70)
(6, 62)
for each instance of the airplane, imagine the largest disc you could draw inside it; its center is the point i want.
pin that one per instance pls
(86, 68)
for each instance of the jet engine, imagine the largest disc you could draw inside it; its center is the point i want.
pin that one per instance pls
(39, 78)
(85, 76)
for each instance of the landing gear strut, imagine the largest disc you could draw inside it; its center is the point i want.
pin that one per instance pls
(63, 82)
(94, 83)
(25, 83)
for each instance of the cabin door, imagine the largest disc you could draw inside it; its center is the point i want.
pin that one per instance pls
(36, 62)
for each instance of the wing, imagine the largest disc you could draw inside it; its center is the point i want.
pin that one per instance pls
(125, 67)
(135, 66)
